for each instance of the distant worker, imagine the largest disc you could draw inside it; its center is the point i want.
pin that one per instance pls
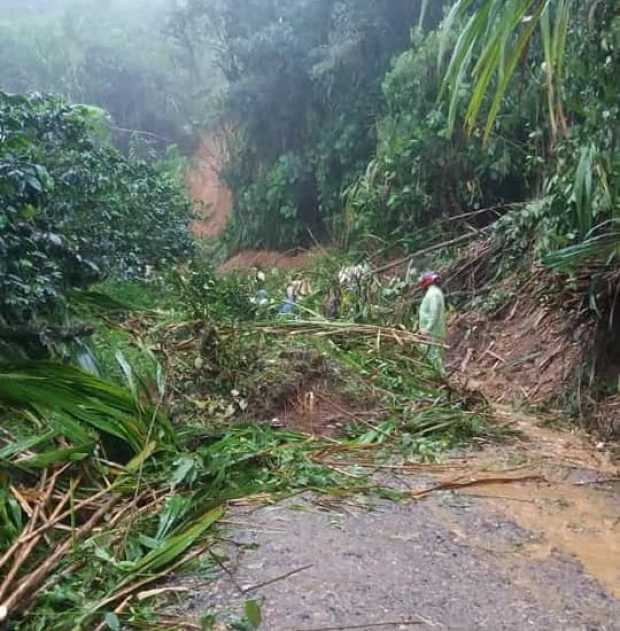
(261, 298)
(296, 289)
(432, 318)
(288, 306)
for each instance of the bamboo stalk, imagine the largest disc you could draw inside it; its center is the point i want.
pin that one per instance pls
(24, 538)
(68, 512)
(433, 248)
(33, 580)
(19, 560)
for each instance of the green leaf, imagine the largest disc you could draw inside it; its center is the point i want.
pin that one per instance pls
(253, 613)
(46, 387)
(173, 547)
(112, 621)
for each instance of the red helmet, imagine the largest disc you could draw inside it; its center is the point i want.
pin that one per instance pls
(428, 278)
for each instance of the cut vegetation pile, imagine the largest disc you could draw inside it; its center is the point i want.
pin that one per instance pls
(106, 488)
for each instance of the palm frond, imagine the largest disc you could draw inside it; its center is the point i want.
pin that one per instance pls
(49, 390)
(600, 247)
(497, 35)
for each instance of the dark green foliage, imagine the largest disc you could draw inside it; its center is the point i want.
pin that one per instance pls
(421, 172)
(73, 209)
(216, 299)
(304, 91)
(555, 136)
(83, 408)
(580, 170)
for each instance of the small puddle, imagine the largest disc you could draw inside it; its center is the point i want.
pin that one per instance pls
(578, 520)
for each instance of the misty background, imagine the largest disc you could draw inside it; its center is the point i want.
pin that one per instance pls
(123, 56)
(292, 90)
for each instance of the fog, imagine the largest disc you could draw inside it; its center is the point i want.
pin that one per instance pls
(122, 56)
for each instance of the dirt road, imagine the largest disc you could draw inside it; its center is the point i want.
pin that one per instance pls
(541, 555)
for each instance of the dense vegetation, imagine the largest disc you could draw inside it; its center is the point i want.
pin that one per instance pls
(551, 132)
(459, 125)
(354, 122)
(370, 107)
(303, 94)
(75, 210)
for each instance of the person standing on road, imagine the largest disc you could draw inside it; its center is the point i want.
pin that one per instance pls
(432, 318)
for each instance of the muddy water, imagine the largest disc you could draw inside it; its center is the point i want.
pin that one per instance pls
(576, 520)
(575, 511)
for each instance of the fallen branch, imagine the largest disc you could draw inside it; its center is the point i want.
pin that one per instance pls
(495, 356)
(140, 132)
(52, 522)
(329, 328)
(456, 484)
(226, 571)
(21, 541)
(278, 578)
(433, 248)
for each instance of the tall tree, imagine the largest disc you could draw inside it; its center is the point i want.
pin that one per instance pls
(304, 87)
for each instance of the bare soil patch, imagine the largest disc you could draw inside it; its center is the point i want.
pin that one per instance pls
(528, 349)
(269, 259)
(318, 409)
(212, 196)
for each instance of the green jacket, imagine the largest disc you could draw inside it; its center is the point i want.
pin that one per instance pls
(432, 314)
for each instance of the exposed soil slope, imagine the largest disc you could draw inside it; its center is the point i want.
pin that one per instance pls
(213, 206)
(530, 352)
(267, 259)
(213, 198)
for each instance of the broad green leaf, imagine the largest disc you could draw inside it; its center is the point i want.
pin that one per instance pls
(253, 613)
(112, 621)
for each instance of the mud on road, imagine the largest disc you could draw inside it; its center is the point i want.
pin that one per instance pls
(541, 555)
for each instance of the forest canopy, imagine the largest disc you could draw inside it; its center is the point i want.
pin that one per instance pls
(346, 120)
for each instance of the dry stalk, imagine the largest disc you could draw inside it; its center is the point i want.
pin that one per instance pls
(34, 516)
(52, 522)
(31, 582)
(19, 560)
(453, 485)
(22, 502)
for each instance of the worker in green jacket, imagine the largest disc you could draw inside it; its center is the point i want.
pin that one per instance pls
(432, 317)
